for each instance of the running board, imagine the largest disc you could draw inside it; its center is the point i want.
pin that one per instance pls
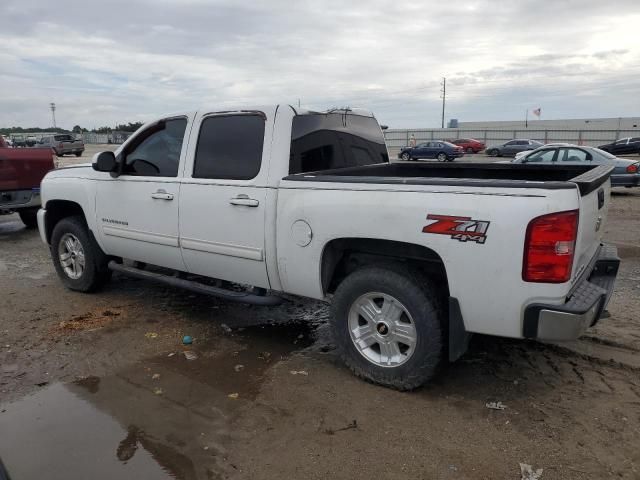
(243, 297)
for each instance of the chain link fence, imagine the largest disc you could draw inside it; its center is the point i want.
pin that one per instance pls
(398, 138)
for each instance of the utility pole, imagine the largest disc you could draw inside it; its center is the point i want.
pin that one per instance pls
(53, 113)
(443, 91)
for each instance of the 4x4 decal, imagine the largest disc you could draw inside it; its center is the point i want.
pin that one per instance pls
(459, 228)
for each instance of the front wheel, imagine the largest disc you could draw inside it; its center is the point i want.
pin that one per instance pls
(406, 157)
(442, 157)
(493, 152)
(77, 258)
(387, 327)
(470, 150)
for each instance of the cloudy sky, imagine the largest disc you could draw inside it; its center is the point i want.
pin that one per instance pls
(117, 61)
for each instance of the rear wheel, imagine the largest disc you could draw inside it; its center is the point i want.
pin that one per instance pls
(387, 327)
(470, 150)
(442, 157)
(493, 152)
(29, 217)
(77, 154)
(78, 259)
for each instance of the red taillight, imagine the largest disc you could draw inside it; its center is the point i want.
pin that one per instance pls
(549, 246)
(633, 168)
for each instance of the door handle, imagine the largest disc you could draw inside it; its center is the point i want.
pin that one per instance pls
(244, 200)
(162, 195)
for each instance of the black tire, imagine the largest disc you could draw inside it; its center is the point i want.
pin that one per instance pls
(95, 273)
(77, 154)
(442, 157)
(29, 217)
(493, 152)
(406, 157)
(417, 295)
(470, 150)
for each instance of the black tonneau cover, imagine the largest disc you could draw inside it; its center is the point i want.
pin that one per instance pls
(505, 175)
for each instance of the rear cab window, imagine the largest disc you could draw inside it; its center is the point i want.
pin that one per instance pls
(324, 141)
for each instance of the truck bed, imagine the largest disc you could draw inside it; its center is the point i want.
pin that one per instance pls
(504, 175)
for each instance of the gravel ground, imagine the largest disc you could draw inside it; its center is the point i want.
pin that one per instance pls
(98, 386)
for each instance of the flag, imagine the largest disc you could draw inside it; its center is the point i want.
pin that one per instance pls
(537, 112)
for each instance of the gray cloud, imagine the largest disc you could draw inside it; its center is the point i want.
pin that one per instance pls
(129, 60)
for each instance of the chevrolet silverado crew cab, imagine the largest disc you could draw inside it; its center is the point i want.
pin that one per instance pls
(413, 257)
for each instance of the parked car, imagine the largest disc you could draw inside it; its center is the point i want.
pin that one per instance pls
(63, 144)
(524, 153)
(627, 145)
(7, 141)
(21, 171)
(470, 145)
(18, 141)
(512, 147)
(626, 172)
(31, 141)
(306, 203)
(441, 150)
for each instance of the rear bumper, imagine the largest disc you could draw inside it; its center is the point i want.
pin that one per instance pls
(19, 199)
(625, 180)
(582, 309)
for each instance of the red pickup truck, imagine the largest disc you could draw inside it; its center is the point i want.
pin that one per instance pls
(21, 171)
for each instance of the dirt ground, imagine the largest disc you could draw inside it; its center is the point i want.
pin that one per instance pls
(98, 386)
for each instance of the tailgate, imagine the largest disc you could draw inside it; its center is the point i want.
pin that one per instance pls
(24, 169)
(594, 188)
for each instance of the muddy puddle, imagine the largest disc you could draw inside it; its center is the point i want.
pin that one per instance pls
(165, 417)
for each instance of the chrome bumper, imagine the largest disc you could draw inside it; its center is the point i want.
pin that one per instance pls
(19, 199)
(582, 308)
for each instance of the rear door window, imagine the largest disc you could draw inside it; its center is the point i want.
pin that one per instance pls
(324, 141)
(573, 155)
(230, 147)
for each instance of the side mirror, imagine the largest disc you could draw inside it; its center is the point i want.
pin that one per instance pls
(104, 162)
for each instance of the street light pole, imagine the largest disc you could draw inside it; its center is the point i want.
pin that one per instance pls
(444, 95)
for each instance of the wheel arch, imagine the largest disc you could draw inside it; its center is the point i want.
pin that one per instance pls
(59, 209)
(341, 256)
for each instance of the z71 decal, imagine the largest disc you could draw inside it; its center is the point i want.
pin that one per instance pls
(459, 228)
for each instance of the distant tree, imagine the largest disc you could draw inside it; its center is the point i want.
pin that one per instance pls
(10, 130)
(77, 129)
(129, 127)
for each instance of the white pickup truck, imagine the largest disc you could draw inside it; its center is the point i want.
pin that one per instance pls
(413, 257)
